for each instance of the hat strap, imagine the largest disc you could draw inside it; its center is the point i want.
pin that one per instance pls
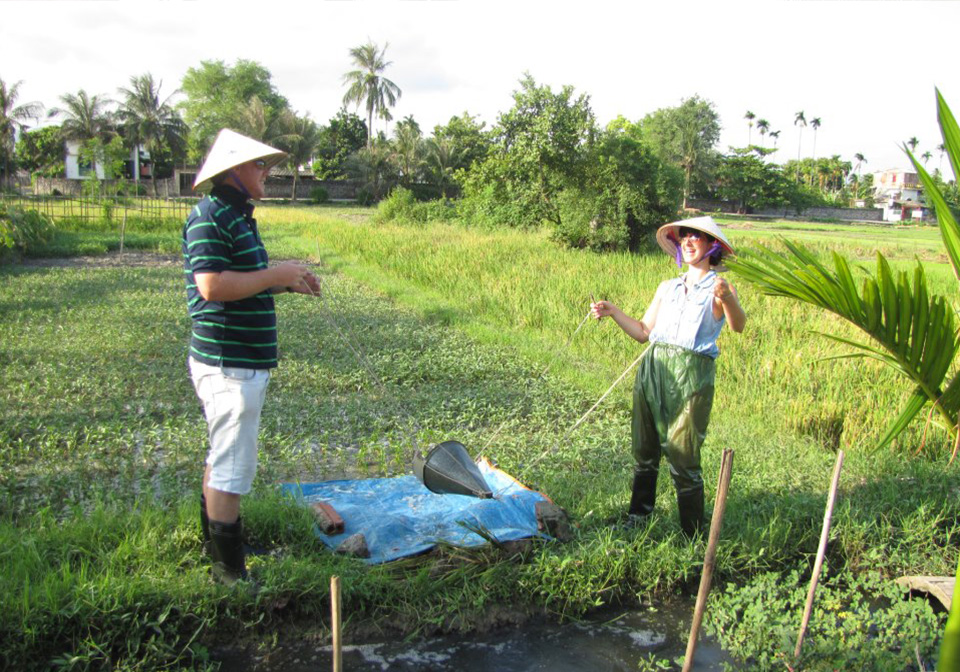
(678, 255)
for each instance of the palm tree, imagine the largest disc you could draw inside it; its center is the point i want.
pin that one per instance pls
(442, 157)
(763, 126)
(913, 142)
(749, 116)
(926, 157)
(815, 124)
(367, 85)
(408, 142)
(776, 136)
(801, 121)
(942, 148)
(299, 138)
(12, 117)
(860, 159)
(86, 116)
(150, 121)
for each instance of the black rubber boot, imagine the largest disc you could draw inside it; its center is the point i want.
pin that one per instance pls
(205, 527)
(690, 506)
(644, 496)
(229, 562)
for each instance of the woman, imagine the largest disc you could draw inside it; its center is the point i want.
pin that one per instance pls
(673, 392)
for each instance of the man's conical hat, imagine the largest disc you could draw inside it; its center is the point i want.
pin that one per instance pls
(229, 150)
(669, 234)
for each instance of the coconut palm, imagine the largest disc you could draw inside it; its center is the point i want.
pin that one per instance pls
(801, 121)
(12, 117)
(815, 124)
(299, 138)
(150, 121)
(912, 143)
(86, 117)
(367, 85)
(442, 157)
(409, 149)
(749, 116)
(764, 127)
(912, 330)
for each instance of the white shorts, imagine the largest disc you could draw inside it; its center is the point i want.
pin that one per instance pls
(232, 400)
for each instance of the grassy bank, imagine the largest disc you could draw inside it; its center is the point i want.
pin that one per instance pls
(101, 442)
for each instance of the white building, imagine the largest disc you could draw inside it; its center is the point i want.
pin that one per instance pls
(900, 194)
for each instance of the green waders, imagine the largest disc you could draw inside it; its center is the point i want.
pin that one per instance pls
(672, 398)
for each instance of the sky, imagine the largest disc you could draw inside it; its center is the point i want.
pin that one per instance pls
(867, 69)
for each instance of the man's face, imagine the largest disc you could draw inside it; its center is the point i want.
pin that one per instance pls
(252, 176)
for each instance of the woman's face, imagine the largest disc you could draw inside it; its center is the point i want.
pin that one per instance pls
(693, 245)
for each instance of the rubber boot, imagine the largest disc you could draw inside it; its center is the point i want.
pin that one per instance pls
(205, 526)
(229, 562)
(690, 506)
(644, 496)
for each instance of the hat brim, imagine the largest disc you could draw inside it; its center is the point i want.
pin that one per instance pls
(668, 236)
(231, 149)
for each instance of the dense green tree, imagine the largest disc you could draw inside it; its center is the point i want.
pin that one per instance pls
(367, 86)
(686, 136)
(41, 152)
(626, 193)
(150, 121)
(345, 134)
(217, 95)
(743, 176)
(469, 142)
(12, 117)
(540, 147)
(375, 167)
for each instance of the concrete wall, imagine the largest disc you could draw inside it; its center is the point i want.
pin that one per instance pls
(45, 186)
(846, 214)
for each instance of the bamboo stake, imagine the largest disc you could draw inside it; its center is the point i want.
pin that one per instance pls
(706, 576)
(821, 552)
(335, 623)
(123, 229)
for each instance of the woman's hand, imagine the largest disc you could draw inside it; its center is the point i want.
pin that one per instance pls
(602, 309)
(722, 290)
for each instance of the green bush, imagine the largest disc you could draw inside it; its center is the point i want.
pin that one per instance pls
(402, 206)
(319, 195)
(23, 229)
(587, 220)
(364, 197)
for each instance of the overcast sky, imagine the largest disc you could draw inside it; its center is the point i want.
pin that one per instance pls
(866, 69)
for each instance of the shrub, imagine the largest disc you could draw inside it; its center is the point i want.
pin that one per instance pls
(364, 197)
(586, 220)
(319, 195)
(402, 206)
(23, 229)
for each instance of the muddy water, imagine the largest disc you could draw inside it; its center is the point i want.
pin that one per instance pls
(611, 641)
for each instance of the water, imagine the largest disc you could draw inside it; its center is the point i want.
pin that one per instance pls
(611, 641)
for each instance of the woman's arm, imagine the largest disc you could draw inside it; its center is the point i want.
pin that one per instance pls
(726, 303)
(638, 330)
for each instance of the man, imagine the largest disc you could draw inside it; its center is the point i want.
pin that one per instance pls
(233, 346)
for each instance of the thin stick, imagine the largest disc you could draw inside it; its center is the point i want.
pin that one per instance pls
(821, 552)
(709, 560)
(123, 229)
(335, 623)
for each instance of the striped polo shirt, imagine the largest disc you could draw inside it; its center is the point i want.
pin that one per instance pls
(221, 235)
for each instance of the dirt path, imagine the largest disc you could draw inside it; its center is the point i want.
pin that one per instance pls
(129, 259)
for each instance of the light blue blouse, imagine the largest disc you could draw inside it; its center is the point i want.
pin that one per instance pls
(686, 316)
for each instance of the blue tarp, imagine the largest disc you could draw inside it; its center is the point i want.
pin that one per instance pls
(399, 516)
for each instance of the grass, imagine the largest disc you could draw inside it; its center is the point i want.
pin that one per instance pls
(101, 442)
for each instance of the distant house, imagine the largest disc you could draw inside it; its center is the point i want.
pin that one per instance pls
(79, 170)
(900, 194)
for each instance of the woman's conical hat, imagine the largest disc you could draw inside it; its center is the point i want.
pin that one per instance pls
(669, 234)
(231, 149)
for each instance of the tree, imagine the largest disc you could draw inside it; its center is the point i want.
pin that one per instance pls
(470, 143)
(860, 159)
(942, 148)
(749, 116)
(152, 122)
(764, 127)
(409, 149)
(441, 158)
(299, 138)
(686, 136)
(12, 117)
(776, 136)
(926, 157)
(85, 117)
(345, 134)
(912, 143)
(815, 124)
(801, 121)
(41, 152)
(743, 176)
(540, 147)
(367, 86)
(217, 96)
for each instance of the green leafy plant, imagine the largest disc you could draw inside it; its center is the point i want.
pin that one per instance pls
(914, 330)
(319, 195)
(22, 229)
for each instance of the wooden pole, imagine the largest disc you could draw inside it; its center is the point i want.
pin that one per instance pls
(719, 506)
(335, 623)
(123, 229)
(821, 552)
